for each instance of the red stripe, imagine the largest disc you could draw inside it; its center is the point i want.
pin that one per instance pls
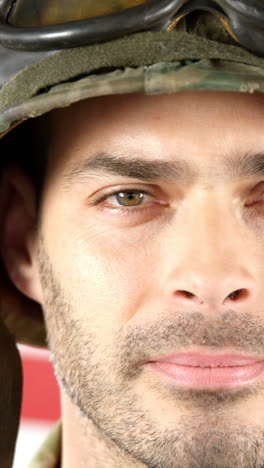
(40, 390)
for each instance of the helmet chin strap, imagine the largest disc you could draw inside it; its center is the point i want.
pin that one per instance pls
(11, 380)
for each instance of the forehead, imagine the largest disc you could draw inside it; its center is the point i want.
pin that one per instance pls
(201, 125)
(177, 111)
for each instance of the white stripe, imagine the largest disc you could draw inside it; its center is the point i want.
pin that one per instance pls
(31, 436)
(34, 353)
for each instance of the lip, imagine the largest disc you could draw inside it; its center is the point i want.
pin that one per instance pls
(198, 370)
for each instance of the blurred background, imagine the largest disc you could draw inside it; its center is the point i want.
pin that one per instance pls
(40, 405)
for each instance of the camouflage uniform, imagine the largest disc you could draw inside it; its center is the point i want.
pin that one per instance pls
(48, 455)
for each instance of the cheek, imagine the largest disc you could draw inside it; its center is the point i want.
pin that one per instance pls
(102, 274)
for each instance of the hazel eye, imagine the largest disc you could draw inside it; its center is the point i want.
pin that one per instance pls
(129, 197)
(259, 198)
(131, 201)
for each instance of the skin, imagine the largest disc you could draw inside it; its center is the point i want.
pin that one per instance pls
(112, 284)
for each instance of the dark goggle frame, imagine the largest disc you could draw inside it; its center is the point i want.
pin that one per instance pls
(110, 19)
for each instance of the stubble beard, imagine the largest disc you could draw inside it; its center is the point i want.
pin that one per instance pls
(103, 392)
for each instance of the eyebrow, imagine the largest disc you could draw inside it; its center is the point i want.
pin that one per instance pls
(171, 170)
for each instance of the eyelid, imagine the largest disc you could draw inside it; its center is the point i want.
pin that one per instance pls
(137, 210)
(151, 190)
(116, 192)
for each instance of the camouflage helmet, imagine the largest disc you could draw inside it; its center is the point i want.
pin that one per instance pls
(54, 53)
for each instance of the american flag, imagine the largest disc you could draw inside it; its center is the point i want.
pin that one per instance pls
(40, 404)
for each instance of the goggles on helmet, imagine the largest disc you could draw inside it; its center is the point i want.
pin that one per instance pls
(59, 24)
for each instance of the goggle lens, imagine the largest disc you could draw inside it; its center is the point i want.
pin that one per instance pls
(59, 24)
(27, 13)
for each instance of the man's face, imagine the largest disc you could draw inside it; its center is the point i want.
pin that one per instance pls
(151, 244)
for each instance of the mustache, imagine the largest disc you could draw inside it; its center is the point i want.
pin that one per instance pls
(243, 332)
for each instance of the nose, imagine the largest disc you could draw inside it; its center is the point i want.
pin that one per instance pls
(213, 297)
(212, 260)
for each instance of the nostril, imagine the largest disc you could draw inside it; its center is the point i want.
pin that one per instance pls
(239, 293)
(234, 295)
(187, 294)
(184, 294)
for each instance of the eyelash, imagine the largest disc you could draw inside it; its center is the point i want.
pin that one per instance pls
(125, 210)
(133, 210)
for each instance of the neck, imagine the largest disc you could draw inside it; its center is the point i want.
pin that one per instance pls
(83, 444)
